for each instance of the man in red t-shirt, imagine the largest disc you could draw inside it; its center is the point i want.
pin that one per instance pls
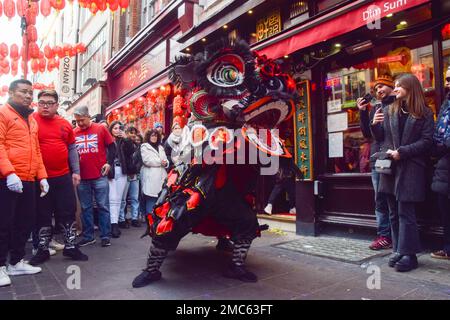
(96, 148)
(60, 157)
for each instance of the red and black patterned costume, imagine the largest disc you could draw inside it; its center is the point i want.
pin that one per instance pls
(236, 98)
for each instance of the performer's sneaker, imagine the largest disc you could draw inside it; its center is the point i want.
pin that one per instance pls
(240, 273)
(75, 254)
(145, 278)
(40, 257)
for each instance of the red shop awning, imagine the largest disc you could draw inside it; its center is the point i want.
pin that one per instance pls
(314, 32)
(133, 95)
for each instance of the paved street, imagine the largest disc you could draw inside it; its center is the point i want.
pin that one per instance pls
(194, 272)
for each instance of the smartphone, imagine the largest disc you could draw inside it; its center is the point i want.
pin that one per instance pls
(367, 98)
(122, 127)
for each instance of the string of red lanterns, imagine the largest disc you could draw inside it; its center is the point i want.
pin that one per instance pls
(48, 59)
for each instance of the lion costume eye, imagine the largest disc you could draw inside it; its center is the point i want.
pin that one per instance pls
(227, 71)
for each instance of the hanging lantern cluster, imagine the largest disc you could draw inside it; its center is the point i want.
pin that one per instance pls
(22, 8)
(95, 6)
(41, 86)
(40, 61)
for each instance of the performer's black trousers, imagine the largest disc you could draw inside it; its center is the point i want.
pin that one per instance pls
(17, 215)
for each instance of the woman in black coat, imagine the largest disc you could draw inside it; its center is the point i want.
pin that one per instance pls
(405, 131)
(441, 177)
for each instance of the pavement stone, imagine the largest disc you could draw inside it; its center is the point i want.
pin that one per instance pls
(194, 272)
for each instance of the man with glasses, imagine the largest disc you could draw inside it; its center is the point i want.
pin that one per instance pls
(20, 164)
(59, 153)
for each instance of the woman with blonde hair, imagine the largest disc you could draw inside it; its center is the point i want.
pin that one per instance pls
(405, 131)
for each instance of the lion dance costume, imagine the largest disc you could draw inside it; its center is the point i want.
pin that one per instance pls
(235, 99)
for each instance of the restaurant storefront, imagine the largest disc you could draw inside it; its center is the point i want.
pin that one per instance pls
(138, 83)
(339, 59)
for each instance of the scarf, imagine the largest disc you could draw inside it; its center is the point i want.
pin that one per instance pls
(442, 132)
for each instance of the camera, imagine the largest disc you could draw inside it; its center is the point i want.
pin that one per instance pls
(367, 98)
(121, 127)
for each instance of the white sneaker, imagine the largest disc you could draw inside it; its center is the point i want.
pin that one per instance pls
(22, 267)
(268, 209)
(5, 280)
(293, 210)
(55, 245)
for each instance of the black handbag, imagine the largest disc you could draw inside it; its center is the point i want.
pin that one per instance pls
(384, 166)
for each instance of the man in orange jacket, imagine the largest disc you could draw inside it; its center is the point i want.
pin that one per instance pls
(20, 165)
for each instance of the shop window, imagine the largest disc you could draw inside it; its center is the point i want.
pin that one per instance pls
(446, 47)
(349, 150)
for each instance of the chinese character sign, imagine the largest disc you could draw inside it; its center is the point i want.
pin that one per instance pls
(268, 25)
(303, 138)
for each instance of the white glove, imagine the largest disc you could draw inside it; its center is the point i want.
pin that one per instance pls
(44, 187)
(14, 183)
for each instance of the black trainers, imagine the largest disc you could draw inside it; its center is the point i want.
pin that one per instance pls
(40, 257)
(240, 273)
(85, 242)
(75, 254)
(407, 263)
(106, 242)
(135, 223)
(115, 231)
(145, 278)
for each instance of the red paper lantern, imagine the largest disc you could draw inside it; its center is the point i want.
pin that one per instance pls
(93, 8)
(1, 9)
(48, 52)
(33, 50)
(14, 52)
(67, 48)
(56, 65)
(58, 4)
(35, 65)
(42, 65)
(22, 5)
(5, 88)
(80, 48)
(9, 8)
(113, 5)
(32, 33)
(124, 3)
(59, 51)
(30, 15)
(101, 4)
(3, 50)
(14, 67)
(45, 8)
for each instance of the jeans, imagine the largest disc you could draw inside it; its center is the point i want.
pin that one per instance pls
(149, 204)
(444, 209)
(381, 208)
(100, 189)
(405, 232)
(133, 194)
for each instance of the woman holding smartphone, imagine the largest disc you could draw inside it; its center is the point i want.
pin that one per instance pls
(405, 130)
(118, 176)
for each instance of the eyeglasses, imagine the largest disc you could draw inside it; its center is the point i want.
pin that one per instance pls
(447, 79)
(48, 103)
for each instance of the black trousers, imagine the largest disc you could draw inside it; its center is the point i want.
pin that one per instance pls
(287, 185)
(405, 233)
(17, 215)
(59, 201)
(444, 209)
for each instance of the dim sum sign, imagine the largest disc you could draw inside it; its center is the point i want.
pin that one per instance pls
(380, 9)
